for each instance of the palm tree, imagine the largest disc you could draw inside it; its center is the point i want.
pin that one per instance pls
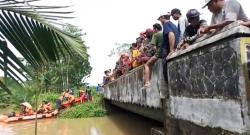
(35, 31)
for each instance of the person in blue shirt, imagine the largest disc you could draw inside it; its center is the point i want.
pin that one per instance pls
(171, 35)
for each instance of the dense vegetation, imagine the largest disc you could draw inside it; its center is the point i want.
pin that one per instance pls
(25, 93)
(51, 80)
(93, 108)
(54, 59)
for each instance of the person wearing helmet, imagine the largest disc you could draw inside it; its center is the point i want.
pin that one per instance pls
(191, 32)
(26, 109)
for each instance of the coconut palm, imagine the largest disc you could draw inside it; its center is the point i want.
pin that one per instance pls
(35, 31)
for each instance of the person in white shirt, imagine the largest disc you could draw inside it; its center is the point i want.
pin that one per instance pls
(182, 21)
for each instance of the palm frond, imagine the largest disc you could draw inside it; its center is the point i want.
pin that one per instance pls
(3, 86)
(34, 30)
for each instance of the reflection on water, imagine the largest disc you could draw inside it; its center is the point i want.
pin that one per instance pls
(118, 123)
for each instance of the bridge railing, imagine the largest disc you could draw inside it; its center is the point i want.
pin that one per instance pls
(209, 81)
(129, 88)
(208, 85)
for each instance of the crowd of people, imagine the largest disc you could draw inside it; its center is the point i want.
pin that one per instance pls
(166, 38)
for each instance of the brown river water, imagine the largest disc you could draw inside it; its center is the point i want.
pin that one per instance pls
(119, 122)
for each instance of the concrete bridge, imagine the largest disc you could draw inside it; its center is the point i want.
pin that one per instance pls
(207, 90)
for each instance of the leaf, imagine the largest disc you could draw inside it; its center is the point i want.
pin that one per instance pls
(33, 30)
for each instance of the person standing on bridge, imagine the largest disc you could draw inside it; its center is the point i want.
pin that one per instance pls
(224, 13)
(156, 41)
(190, 34)
(170, 35)
(170, 40)
(182, 21)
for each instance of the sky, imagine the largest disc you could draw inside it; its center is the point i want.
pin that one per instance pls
(107, 22)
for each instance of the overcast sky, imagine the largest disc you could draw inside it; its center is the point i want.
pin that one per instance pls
(107, 22)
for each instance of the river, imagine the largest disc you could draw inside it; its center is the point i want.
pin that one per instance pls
(119, 122)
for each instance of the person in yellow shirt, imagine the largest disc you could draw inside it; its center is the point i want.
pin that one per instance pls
(135, 54)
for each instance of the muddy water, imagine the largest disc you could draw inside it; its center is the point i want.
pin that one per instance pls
(117, 123)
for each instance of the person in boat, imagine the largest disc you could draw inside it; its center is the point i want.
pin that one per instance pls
(26, 109)
(60, 100)
(83, 96)
(45, 107)
(70, 99)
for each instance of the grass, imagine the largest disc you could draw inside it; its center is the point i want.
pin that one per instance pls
(90, 109)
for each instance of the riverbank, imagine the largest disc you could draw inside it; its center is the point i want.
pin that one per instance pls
(94, 108)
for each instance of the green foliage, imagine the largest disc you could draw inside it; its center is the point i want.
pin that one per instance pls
(26, 93)
(50, 97)
(23, 94)
(4, 99)
(90, 109)
(36, 32)
(46, 44)
(68, 72)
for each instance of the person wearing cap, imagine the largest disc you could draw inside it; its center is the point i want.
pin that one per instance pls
(224, 13)
(170, 35)
(191, 32)
(182, 21)
(148, 50)
(26, 109)
(156, 41)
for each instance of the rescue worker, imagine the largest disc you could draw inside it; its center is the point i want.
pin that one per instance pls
(69, 99)
(83, 96)
(26, 109)
(45, 107)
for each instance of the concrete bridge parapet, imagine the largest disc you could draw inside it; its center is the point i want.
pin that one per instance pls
(208, 89)
(129, 88)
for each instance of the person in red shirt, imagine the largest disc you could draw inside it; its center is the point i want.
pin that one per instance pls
(126, 63)
(83, 96)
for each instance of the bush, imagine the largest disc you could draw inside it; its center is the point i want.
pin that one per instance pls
(4, 99)
(50, 97)
(90, 109)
